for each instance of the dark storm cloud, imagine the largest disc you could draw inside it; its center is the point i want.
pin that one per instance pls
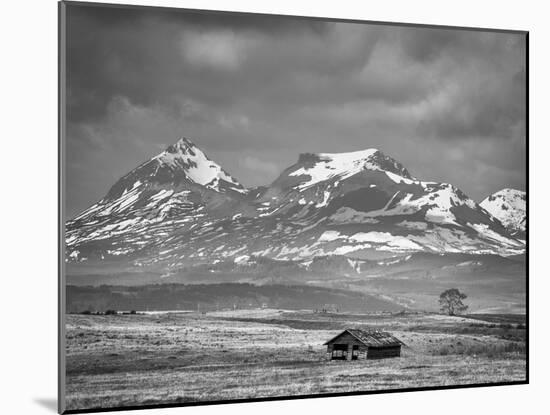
(424, 44)
(254, 91)
(137, 52)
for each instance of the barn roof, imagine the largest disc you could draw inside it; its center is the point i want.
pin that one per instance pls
(374, 338)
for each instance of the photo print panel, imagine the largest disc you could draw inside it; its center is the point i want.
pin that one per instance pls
(258, 207)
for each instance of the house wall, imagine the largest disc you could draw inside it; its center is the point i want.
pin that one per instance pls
(351, 341)
(383, 352)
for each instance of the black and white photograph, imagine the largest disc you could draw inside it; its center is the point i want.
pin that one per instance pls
(261, 206)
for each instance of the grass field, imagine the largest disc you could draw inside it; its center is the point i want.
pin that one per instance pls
(121, 360)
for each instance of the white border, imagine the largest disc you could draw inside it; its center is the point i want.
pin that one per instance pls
(29, 203)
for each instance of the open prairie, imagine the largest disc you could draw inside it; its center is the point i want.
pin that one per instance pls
(162, 358)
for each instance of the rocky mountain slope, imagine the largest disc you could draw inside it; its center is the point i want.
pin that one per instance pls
(509, 207)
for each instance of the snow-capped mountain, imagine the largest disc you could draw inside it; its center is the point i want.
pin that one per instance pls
(365, 201)
(180, 164)
(509, 207)
(175, 190)
(180, 209)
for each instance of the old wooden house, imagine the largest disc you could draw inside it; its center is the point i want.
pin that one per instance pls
(354, 344)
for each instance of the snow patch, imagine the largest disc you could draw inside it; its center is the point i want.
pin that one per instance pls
(330, 165)
(326, 196)
(242, 259)
(349, 215)
(395, 241)
(346, 249)
(413, 225)
(329, 236)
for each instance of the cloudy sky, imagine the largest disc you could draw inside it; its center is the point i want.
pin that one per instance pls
(253, 92)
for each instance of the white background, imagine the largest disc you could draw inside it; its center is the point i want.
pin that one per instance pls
(28, 149)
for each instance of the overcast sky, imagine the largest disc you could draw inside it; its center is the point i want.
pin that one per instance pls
(253, 92)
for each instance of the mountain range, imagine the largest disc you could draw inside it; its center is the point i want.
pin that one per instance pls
(180, 208)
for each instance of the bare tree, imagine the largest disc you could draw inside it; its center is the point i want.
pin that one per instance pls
(451, 302)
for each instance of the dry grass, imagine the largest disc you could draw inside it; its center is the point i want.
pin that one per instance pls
(144, 359)
(490, 350)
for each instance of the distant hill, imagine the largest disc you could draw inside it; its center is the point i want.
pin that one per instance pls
(492, 283)
(222, 296)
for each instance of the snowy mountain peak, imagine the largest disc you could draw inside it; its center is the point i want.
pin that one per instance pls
(379, 161)
(182, 146)
(323, 166)
(182, 163)
(186, 158)
(509, 207)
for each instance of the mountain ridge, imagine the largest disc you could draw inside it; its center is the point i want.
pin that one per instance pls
(181, 207)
